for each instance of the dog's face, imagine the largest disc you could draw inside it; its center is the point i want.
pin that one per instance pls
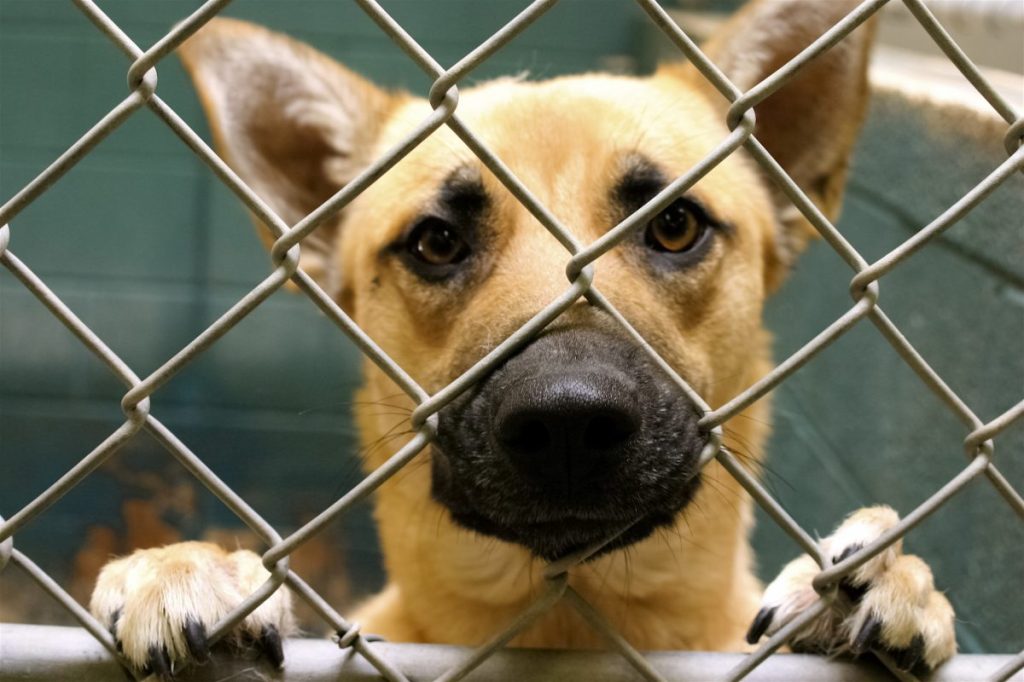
(580, 434)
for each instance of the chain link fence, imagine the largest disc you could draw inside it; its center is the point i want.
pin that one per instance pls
(980, 434)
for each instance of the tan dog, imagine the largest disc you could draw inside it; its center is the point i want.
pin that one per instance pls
(580, 433)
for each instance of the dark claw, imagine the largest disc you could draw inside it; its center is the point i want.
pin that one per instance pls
(114, 618)
(195, 638)
(846, 553)
(868, 635)
(270, 642)
(907, 659)
(761, 622)
(159, 663)
(851, 589)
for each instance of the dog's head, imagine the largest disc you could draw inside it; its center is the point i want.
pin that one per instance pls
(580, 434)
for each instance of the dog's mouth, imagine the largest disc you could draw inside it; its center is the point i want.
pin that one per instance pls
(552, 540)
(579, 442)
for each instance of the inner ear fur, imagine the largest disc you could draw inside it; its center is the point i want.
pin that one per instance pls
(810, 124)
(295, 125)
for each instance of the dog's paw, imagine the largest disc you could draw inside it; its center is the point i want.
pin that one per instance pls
(159, 604)
(896, 608)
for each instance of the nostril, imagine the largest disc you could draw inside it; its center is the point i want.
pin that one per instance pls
(608, 430)
(567, 432)
(525, 434)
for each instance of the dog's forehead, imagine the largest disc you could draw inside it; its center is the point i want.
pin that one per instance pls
(570, 128)
(568, 140)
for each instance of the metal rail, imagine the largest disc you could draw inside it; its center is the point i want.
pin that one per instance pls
(34, 653)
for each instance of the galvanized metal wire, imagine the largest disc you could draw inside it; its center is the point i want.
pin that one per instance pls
(581, 260)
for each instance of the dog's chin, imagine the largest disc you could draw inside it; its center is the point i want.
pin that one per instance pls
(553, 540)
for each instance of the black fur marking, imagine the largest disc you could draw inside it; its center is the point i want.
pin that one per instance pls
(114, 618)
(868, 635)
(855, 591)
(195, 638)
(911, 656)
(463, 196)
(270, 643)
(159, 663)
(641, 181)
(461, 205)
(848, 552)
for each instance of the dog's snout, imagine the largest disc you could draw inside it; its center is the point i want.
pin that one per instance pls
(564, 431)
(576, 439)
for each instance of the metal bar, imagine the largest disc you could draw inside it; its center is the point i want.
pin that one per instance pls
(791, 364)
(798, 622)
(38, 653)
(773, 508)
(612, 636)
(555, 588)
(69, 158)
(1011, 670)
(994, 427)
(836, 571)
(50, 586)
(954, 213)
(826, 41)
(359, 492)
(960, 59)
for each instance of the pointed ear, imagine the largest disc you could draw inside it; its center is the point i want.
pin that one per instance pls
(294, 124)
(810, 125)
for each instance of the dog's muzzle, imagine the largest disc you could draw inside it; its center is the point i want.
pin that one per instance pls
(574, 439)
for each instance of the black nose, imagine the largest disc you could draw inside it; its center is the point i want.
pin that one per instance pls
(565, 431)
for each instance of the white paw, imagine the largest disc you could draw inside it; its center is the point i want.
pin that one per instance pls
(896, 608)
(159, 604)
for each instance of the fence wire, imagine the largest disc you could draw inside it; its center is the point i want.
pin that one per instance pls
(444, 98)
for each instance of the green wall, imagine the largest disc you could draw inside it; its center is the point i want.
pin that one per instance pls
(143, 243)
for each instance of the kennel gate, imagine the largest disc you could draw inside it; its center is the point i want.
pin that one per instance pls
(401, 662)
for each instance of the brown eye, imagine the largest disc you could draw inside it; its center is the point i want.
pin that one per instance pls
(437, 243)
(676, 229)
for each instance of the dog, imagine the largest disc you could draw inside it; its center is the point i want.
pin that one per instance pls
(579, 436)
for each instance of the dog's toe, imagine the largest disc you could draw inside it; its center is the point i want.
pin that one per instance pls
(903, 615)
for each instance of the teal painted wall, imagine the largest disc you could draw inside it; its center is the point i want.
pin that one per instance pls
(143, 243)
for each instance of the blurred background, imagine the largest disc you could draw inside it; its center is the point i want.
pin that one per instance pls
(146, 246)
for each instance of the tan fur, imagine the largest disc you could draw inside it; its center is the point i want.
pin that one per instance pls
(297, 127)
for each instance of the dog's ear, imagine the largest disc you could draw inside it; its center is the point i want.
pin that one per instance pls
(294, 124)
(809, 126)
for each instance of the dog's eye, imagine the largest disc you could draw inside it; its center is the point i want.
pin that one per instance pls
(436, 242)
(676, 229)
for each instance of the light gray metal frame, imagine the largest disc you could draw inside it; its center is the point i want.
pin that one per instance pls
(65, 654)
(444, 98)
